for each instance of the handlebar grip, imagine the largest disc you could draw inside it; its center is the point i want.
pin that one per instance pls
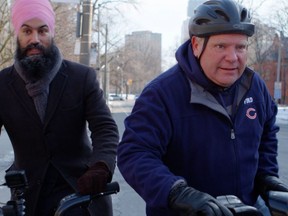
(113, 186)
(76, 199)
(278, 202)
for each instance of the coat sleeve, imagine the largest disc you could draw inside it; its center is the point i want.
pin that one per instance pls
(104, 131)
(268, 149)
(143, 145)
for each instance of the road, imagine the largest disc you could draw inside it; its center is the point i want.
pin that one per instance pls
(283, 152)
(127, 202)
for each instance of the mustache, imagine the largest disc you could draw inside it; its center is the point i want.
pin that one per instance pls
(33, 46)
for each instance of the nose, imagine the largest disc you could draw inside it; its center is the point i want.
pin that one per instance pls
(231, 55)
(34, 38)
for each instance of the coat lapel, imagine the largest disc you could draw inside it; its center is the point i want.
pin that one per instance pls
(17, 87)
(56, 90)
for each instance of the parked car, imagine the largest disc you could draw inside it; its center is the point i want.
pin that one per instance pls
(114, 97)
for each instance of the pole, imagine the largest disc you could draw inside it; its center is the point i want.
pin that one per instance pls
(121, 81)
(98, 42)
(86, 33)
(98, 65)
(278, 84)
(279, 58)
(106, 76)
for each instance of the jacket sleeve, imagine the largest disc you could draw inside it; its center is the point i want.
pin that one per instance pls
(144, 143)
(104, 131)
(268, 164)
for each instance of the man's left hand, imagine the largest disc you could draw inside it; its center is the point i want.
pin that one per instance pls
(94, 180)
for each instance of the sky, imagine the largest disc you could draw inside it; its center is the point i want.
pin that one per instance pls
(166, 17)
(160, 16)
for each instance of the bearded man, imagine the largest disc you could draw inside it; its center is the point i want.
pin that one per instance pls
(46, 102)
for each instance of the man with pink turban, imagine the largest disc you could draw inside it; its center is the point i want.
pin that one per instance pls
(46, 102)
(41, 9)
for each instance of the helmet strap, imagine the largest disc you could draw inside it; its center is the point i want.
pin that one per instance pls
(203, 47)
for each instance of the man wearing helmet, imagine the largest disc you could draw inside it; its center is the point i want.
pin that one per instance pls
(206, 127)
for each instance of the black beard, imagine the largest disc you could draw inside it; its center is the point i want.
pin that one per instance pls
(36, 67)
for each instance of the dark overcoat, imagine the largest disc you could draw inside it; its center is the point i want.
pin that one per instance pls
(75, 103)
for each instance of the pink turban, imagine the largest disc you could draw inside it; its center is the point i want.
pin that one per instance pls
(24, 10)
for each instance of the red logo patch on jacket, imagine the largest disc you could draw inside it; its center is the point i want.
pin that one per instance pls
(251, 113)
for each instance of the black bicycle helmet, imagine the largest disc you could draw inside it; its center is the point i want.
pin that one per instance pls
(220, 17)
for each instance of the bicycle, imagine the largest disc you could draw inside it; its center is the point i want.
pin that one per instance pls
(17, 181)
(278, 201)
(277, 204)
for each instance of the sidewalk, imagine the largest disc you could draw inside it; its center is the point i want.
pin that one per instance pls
(282, 116)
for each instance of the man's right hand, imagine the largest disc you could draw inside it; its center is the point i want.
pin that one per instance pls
(189, 202)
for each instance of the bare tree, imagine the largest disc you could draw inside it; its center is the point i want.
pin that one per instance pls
(108, 18)
(281, 25)
(65, 29)
(6, 35)
(260, 48)
(280, 17)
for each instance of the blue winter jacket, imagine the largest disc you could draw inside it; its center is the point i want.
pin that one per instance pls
(178, 130)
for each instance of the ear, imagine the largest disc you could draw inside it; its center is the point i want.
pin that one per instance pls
(196, 46)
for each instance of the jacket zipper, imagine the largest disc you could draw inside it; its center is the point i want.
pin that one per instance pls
(232, 135)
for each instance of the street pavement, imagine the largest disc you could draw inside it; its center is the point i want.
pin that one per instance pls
(127, 202)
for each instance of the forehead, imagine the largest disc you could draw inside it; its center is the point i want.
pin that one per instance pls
(34, 23)
(229, 38)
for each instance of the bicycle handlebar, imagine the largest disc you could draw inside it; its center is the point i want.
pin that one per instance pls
(278, 202)
(77, 199)
(235, 205)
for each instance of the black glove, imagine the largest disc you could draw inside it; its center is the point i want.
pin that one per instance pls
(189, 202)
(263, 184)
(94, 180)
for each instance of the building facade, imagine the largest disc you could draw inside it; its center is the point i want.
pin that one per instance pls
(274, 69)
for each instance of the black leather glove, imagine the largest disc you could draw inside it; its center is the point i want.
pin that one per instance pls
(263, 184)
(189, 202)
(94, 180)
